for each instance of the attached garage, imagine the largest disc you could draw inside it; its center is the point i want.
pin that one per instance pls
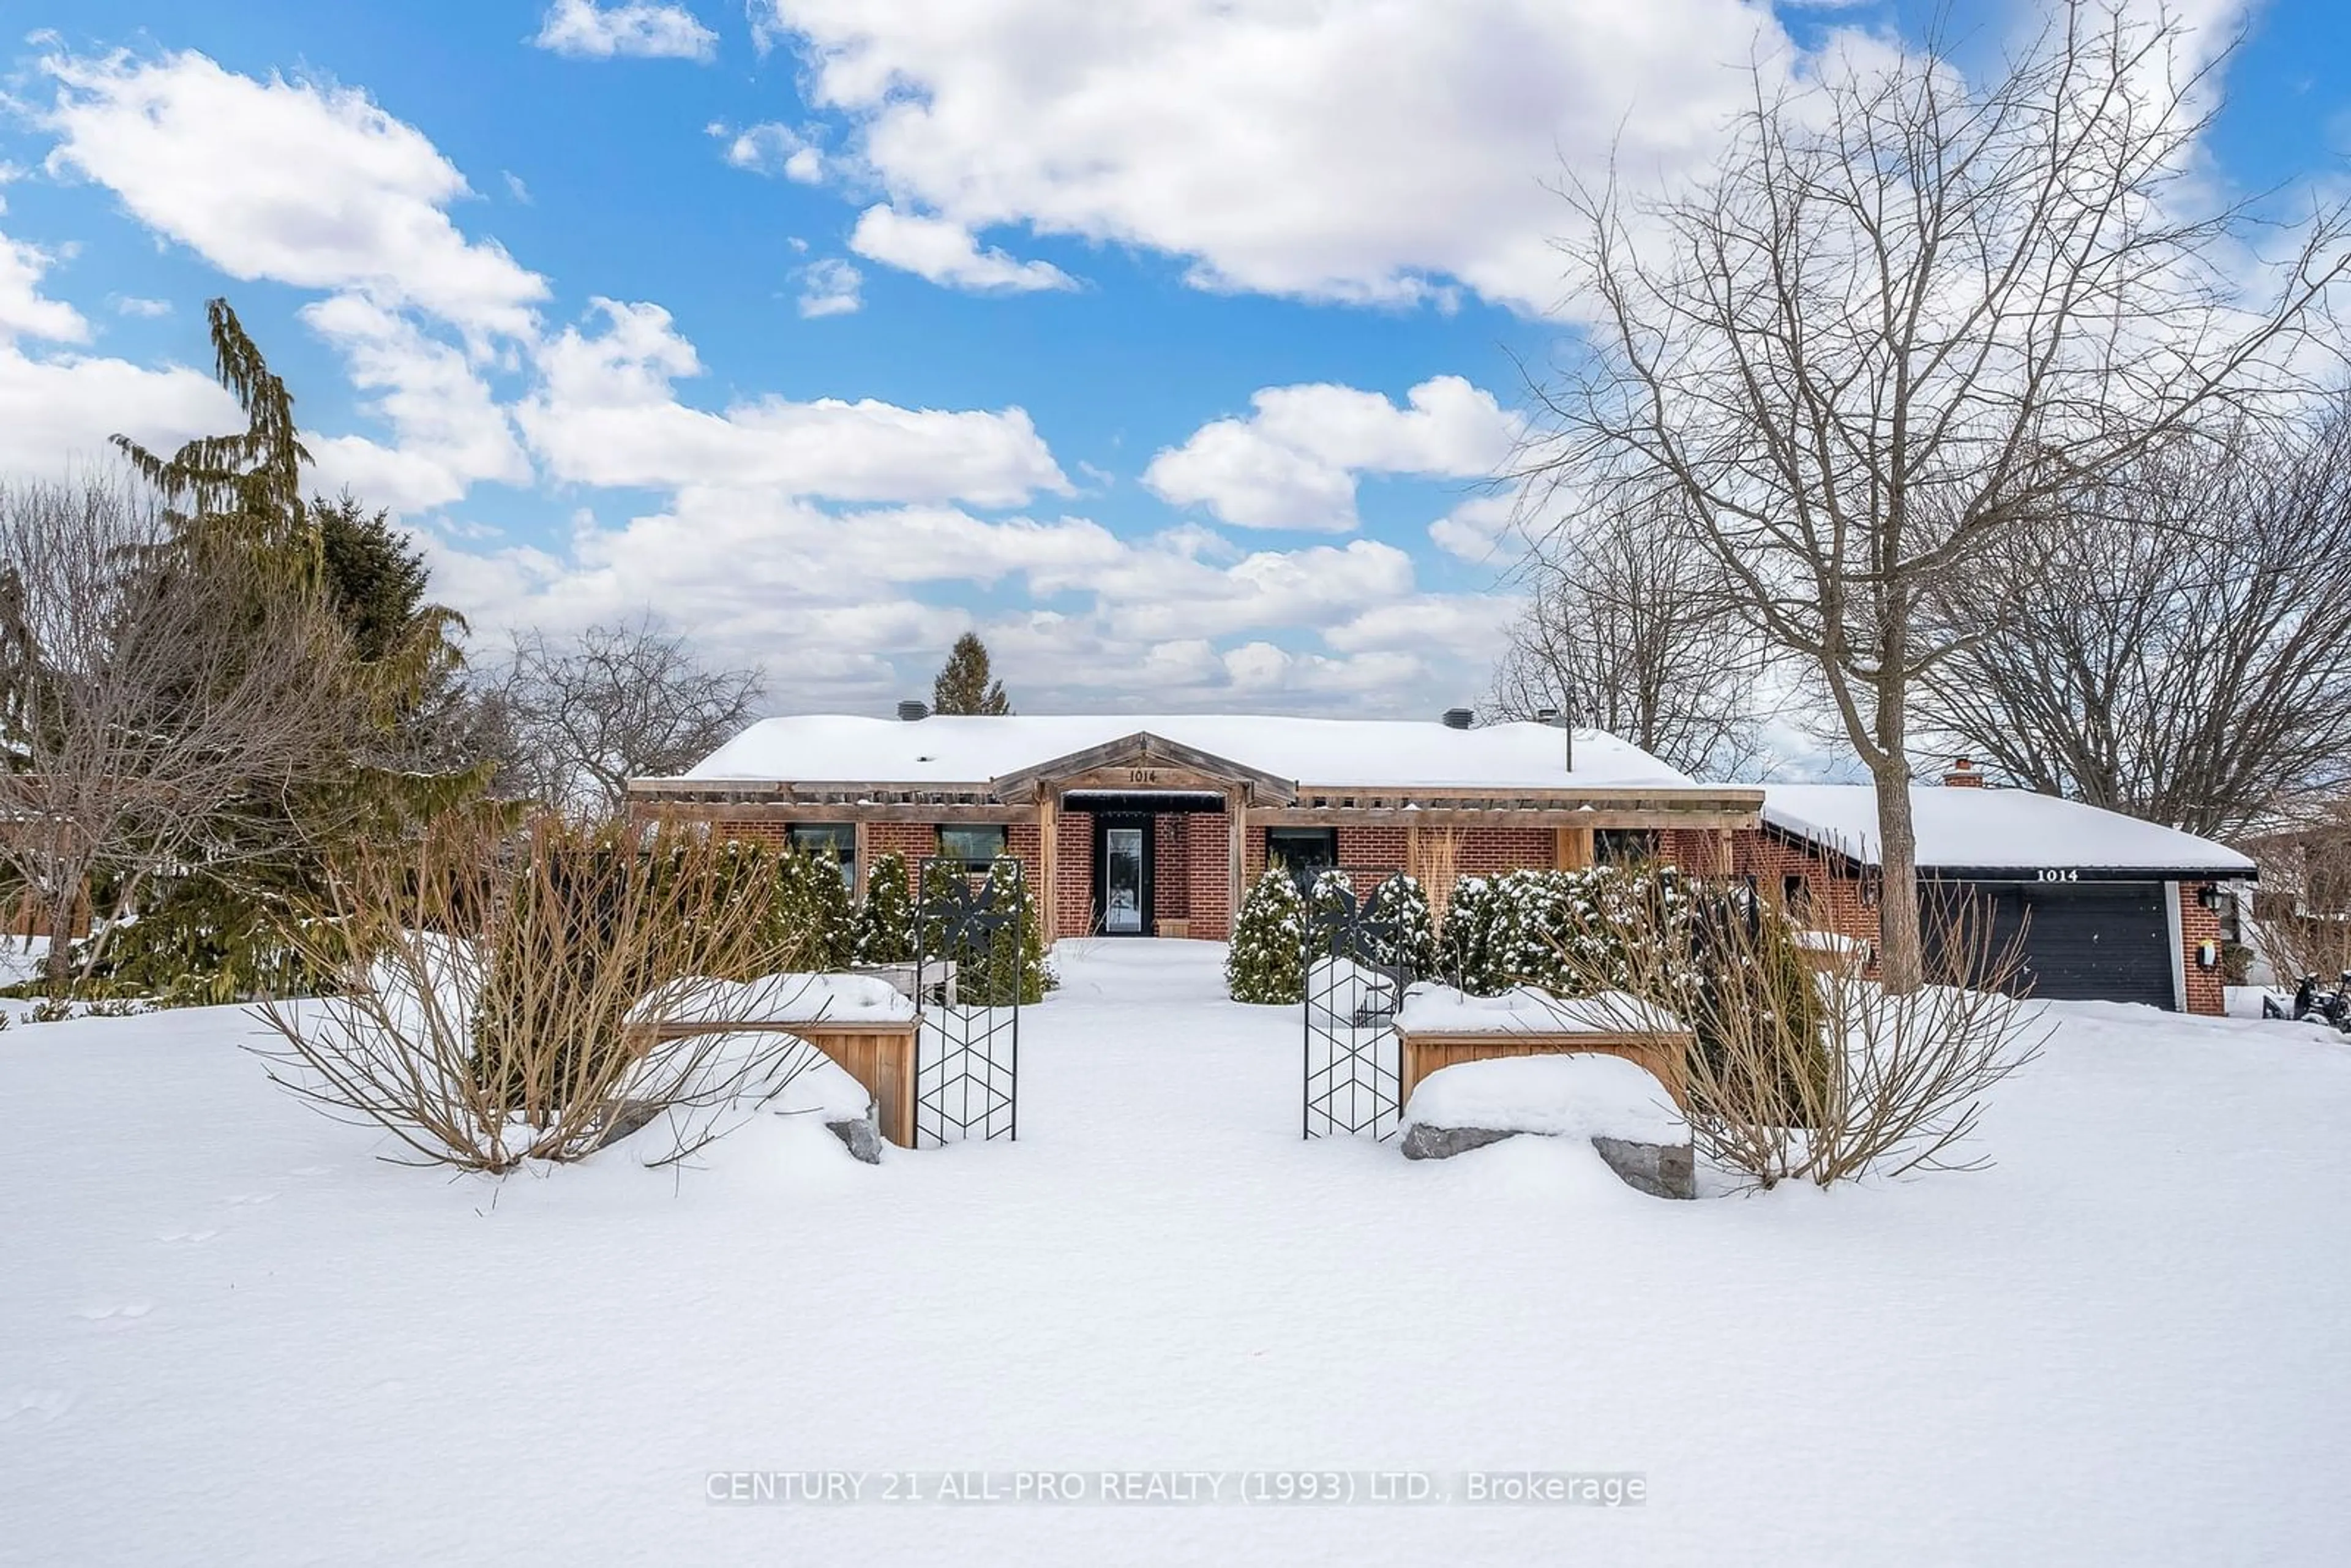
(2094, 905)
(2073, 941)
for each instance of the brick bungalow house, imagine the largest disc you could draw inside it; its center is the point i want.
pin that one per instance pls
(1157, 826)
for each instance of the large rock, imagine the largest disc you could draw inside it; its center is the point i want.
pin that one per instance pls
(1423, 1142)
(1661, 1170)
(860, 1136)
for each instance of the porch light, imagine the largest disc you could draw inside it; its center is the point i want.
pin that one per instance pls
(2208, 896)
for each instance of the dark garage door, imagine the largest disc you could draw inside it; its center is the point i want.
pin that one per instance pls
(2082, 941)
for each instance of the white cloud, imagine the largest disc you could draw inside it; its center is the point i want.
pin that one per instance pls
(149, 309)
(946, 254)
(770, 148)
(604, 414)
(1353, 152)
(1479, 530)
(298, 183)
(450, 429)
(25, 312)
(582, 29)
(55, 413)
(830, 287)
(1294, 461)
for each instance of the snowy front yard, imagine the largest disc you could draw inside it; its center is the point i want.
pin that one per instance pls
(227, 1333)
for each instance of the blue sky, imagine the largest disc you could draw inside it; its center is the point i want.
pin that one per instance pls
(1167, 346)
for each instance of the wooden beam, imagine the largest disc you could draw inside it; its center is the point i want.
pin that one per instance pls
(1236, 857)
(1493, 817)
(759, 811)
(1048, 861)
(1574, 847)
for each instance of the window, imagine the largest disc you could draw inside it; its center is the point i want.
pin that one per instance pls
(971, 845)
(838, 840)
(1302, 852)
(1796, 893)
(1623, 846)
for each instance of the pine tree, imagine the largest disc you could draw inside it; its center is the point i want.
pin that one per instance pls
(814, 908)
(885, 922)
(206, 934)
(1464, 944)
(1402, 901)
(963, 686)
(1266, 964)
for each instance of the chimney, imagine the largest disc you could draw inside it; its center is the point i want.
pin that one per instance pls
(1459, 717)
(910, 710)
(1962, 774)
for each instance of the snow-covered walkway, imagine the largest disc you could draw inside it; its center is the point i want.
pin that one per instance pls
(227, 1333)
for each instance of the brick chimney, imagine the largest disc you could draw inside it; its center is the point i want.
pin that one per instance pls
(1962, 774)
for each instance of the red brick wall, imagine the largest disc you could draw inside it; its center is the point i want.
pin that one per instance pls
(1168, 864)
(1073, 871)
(1207, 877)
(912, 839)
(1835, 900)
(2206, 989)
(1489, 852)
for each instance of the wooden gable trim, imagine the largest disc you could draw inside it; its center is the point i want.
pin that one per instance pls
(1142, 749)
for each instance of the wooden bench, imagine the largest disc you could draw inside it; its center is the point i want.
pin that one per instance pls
(878, 1053)
(1664, 1053)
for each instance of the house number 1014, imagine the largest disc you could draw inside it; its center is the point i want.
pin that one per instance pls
(2049, 874)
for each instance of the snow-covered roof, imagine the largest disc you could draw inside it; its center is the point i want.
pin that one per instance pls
(1995, 830)
(1366, 753)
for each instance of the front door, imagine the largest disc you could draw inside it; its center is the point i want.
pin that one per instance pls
(1123, 881)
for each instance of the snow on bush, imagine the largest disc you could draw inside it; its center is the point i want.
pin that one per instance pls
(1265, 961)
(1572, 1097)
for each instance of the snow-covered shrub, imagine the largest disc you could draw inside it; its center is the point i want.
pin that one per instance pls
(813, 906)
(885, 921)
(1401, 902)
(1465, 938)
(1265, 963)
(497, 1001)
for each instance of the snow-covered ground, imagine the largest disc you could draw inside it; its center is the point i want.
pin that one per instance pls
(227, 1333)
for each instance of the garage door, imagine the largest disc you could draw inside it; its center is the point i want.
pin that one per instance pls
(2104, 941)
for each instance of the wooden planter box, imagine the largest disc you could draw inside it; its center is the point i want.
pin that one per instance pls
(880, 1054)
(1665, 1054)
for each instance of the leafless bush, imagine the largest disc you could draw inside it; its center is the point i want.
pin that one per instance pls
(1818, 1074)
(157, 697)
(502, 1000)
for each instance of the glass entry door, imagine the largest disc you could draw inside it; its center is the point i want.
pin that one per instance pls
(1123, 881)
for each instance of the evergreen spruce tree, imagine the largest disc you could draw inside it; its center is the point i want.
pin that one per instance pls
(830, 943)
(1403, 901)
(1464, 944)
(963, 686)
(1266, 963)
(207, 933)
(885, 922)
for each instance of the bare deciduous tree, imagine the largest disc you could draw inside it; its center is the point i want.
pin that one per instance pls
(1634, 628)
(2175, 644)
(156, 696)
(1904, 314)
(581, 718)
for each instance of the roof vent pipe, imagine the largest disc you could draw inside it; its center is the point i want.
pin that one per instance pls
(1459, 717)
(910, 710)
